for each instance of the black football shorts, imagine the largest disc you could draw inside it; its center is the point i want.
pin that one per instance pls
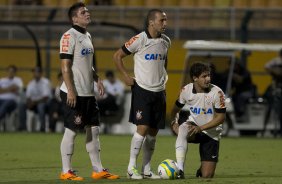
(209, 148)
(86, 112)
(147, 107)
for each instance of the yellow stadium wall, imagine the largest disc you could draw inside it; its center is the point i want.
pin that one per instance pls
(27, 59)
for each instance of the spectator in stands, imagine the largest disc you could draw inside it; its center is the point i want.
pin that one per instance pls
(10, 89)
(56, 108)
(114, 94)
(27, 2)
(242, 89)
(274, 91)
(38, 95)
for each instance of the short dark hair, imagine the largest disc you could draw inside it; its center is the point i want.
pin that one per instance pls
(109, 73)
(198, 68)
(151, 16)
(73, 9)
(13, 67)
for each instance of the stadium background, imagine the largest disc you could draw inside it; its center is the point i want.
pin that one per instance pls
(113, 24)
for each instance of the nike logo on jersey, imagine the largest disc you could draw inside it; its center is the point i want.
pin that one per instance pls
(214, 156)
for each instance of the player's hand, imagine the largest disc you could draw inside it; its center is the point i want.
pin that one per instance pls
(194, 129)
(71, 98)
(129, 80)
(100, 87)
(174, 127)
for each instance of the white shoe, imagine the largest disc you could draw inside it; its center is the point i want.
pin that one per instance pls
(151, 175)
(133, 174)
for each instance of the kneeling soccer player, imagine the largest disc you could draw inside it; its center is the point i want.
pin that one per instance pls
(203, 124)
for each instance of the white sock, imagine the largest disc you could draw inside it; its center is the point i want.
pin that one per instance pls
(181, 146)
(136, 144)
(93, 147)
(148, 150)
(67, 147)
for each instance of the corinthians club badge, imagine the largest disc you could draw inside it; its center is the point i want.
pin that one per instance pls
(78, 119)
(138, 115)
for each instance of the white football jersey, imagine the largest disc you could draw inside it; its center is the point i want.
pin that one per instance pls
(150, 55)
(79, 46)
(202, 106)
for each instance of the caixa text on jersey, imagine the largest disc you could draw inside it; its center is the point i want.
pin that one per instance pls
(155, 56)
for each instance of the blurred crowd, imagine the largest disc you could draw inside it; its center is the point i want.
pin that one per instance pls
(37, 106)
(66, 3)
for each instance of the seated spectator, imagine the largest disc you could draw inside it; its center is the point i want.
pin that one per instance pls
(10, 88)
(114, 94)
(38, 95)
(56, 108)
(242, 89)
(274, 91)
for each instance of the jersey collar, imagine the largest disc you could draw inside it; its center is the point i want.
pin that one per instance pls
(206, 90)
(148, 34)
(79, 29)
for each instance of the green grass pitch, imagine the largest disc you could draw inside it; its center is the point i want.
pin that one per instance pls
(35, 158)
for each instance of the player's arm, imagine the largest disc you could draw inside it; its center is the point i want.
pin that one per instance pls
(218, 119)
(166, 61)
(66, 65)
(100, 85)
(118, 59)
(175, 115)
(174, 119)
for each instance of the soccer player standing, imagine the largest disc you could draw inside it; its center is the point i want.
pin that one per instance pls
(148, 103)
(77, 94)
(203, 125)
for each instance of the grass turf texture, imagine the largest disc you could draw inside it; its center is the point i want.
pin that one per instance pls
(35, 158)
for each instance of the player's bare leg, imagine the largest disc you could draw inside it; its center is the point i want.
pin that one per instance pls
(206, 170)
